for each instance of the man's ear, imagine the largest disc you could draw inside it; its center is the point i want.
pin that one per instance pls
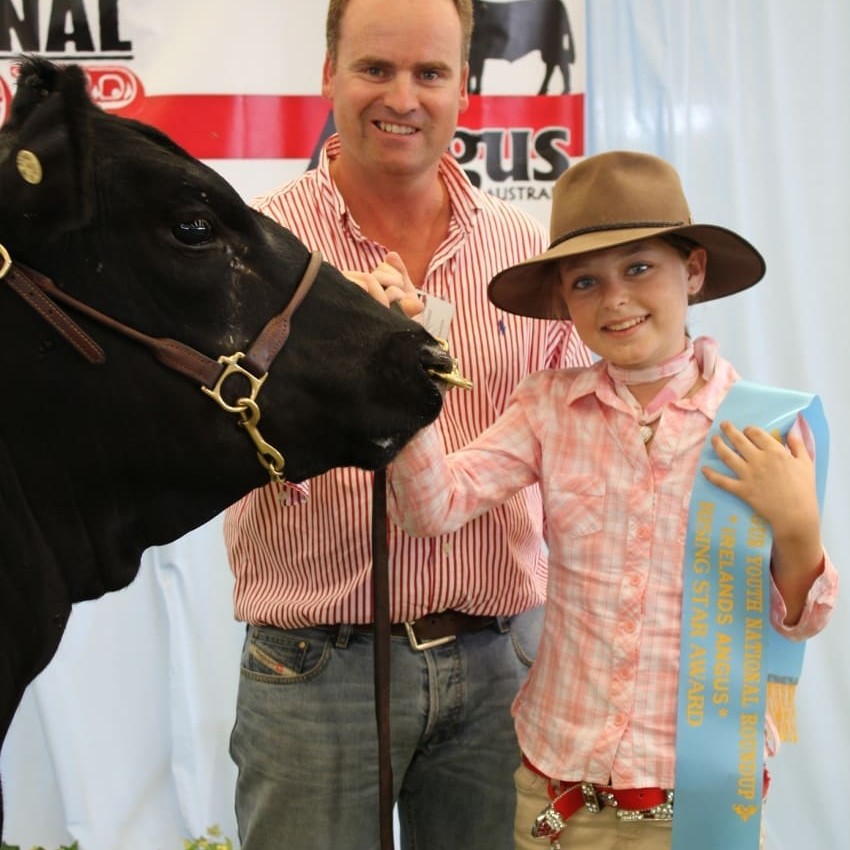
(463, 105)
(327, 78)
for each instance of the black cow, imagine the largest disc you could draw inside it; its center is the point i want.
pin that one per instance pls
(512, 30)
(107, 443)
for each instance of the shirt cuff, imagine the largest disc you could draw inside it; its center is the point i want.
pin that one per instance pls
(820, 602)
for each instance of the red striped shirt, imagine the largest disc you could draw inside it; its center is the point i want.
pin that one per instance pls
(309, 563)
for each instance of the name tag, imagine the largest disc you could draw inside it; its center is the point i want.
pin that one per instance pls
(437, 316)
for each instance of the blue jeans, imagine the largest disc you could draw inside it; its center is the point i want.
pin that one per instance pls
(305, 739)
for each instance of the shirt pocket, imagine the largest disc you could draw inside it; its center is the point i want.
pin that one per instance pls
(574, 505)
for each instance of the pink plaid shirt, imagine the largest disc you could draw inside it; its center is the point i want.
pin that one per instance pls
(600, 702)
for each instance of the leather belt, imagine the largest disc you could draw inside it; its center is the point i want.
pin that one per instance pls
(436, 629)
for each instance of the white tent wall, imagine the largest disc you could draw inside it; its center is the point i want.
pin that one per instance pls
(747, 100)
(122, 741)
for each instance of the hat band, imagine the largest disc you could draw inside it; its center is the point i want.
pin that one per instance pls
(620, 225)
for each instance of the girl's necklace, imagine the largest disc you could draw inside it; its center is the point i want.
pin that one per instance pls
(683, 372)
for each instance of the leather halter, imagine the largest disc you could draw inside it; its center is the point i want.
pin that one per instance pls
(42, 294)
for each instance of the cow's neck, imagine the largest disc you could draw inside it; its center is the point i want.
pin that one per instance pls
(97, 513)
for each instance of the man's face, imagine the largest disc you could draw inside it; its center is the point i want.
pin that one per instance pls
(398, 84)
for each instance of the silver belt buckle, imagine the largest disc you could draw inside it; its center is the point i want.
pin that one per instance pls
(663, 811)
(421, 646)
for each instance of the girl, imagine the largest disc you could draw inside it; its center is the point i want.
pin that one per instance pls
(615, 448)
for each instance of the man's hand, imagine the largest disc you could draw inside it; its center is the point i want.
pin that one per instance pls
(389, 283)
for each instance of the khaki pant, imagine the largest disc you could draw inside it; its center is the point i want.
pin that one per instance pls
(584, 830)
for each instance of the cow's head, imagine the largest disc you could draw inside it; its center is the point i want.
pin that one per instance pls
(116, 457)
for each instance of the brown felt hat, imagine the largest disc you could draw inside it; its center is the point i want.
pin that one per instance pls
(612, 199)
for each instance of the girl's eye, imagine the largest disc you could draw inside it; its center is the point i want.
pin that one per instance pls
(638, 268)
(583, 283)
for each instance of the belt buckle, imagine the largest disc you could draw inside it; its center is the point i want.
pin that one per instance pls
(421, 646)
(661, 812)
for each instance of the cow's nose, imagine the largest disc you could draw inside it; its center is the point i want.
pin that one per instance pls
(441, 366)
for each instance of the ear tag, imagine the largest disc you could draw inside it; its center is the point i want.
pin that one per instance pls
(29, 167)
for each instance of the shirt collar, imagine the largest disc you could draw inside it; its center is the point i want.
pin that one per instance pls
(465, 200)
(719, 373)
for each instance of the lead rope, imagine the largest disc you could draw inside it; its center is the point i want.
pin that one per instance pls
(381, 628)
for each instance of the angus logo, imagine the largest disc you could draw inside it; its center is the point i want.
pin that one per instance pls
(538, 156)
(68, 31)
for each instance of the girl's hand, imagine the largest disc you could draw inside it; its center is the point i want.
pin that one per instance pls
(778, 482)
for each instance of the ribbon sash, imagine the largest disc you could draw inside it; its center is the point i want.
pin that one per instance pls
(729, 648)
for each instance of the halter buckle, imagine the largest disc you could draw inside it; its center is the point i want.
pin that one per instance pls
(232, 367)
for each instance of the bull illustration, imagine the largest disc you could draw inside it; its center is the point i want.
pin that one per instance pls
(513, 30)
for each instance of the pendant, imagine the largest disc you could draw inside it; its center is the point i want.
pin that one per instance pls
(646, 433)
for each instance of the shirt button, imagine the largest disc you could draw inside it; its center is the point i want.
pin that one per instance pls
(447, 547)
(623, 674)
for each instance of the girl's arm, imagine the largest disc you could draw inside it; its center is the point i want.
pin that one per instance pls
(429, 493)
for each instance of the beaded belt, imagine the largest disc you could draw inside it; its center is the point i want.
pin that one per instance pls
(632, 804)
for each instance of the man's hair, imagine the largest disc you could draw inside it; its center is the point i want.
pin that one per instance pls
(336, 9)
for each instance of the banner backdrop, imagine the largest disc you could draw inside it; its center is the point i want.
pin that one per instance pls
(239, 83)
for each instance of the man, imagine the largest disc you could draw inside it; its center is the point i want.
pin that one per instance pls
(387, 201)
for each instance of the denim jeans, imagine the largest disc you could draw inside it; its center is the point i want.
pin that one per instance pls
(305, 738)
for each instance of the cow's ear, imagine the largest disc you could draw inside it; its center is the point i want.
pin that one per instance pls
(45, 169)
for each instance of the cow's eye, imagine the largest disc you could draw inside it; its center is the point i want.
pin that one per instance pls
(195, 232)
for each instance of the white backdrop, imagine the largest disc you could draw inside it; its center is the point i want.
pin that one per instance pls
(122, 742)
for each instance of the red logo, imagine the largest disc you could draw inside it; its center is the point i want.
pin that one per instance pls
(113, 87)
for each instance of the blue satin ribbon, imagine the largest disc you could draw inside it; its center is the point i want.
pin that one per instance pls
(728, 645)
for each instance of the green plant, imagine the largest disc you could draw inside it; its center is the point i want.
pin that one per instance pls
(213, 840)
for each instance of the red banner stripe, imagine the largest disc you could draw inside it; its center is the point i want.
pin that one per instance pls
(289, 126)
(535, 113)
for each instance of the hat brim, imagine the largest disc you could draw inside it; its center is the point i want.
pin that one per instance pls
(532, 288)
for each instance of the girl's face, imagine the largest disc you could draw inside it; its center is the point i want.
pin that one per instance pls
(629, 303)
